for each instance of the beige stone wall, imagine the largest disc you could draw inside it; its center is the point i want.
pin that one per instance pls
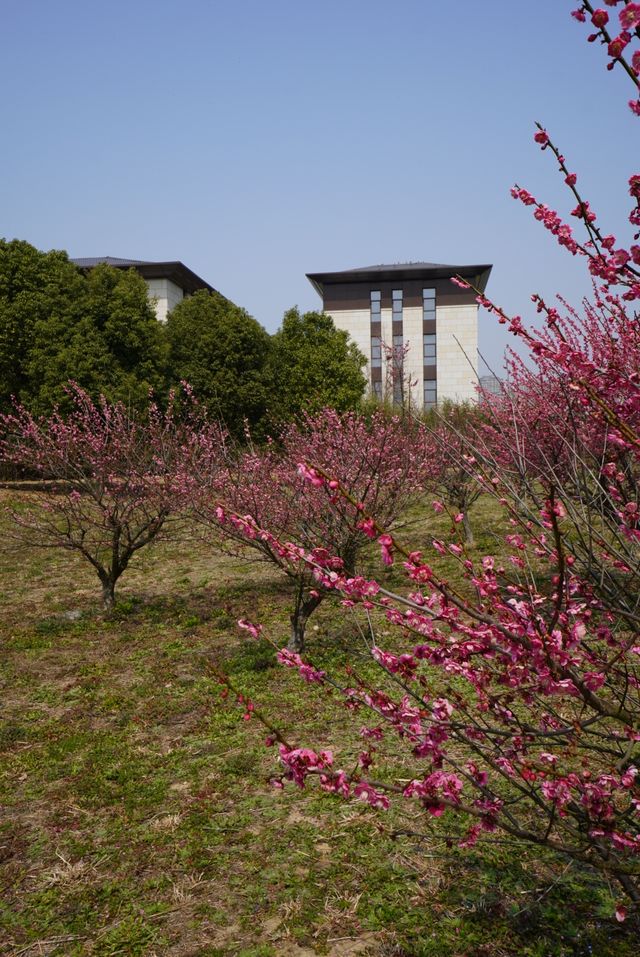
(165, 295)
(357, 322)
(457, 347)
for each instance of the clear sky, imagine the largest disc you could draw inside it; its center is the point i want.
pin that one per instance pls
(257, 141)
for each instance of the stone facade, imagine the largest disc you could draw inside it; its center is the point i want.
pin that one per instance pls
(164, 295)
(457, 364)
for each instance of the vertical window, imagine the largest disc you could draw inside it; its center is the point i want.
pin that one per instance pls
(430, 394)
(429, 341)
(396, 305)
(375, 300)
(376, 303)
(429, 345)
(428, 304)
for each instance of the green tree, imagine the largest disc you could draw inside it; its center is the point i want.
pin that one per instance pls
(57, 323)
(313, 365)
(221, 351)
(115, 346)
(35, 287)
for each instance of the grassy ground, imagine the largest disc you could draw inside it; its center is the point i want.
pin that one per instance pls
(138, 818)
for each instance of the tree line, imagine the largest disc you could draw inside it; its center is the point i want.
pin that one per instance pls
(99, 329)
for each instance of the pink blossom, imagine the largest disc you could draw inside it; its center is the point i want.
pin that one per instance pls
(630, 16)
(368, 526)
(616, 47)
(293, 660)
(310, 475)
(386, 544)
(254, 630)
(372, 797)
(441, 709)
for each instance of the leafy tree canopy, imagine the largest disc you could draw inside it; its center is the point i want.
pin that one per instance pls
(34, 287)
(57, 323)
(115, 345)
(313, 365)
(221, 351)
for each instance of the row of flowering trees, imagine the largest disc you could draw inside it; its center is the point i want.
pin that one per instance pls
(116, 482)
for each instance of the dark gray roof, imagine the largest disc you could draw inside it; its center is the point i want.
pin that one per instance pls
(477, 274)
(88, 262)
(176, 271)
(400, 267)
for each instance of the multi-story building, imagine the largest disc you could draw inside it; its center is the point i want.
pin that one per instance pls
(417, 329)
(168, 283)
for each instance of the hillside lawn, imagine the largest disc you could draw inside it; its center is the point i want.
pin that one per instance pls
(137, 814)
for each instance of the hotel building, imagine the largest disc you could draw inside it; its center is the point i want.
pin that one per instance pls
(417, 329)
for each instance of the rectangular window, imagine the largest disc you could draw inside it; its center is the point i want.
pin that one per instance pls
(428, 304)
(429, 346)
(377, 390)
(376, 352)
(429, 349)
(430, 394)
(396, 305)
(376, 304)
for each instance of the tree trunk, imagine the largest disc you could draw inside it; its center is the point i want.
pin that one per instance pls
(108, 594)
(468, 531)
(299, 618)
(630, 886)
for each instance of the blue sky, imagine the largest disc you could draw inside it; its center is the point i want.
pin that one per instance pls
(259, 141)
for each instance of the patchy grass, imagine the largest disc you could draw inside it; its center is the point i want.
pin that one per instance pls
(138, 818)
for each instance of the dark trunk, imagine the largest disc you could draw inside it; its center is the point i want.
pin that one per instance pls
(299, 618)
(630, 886)
(108, 593)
